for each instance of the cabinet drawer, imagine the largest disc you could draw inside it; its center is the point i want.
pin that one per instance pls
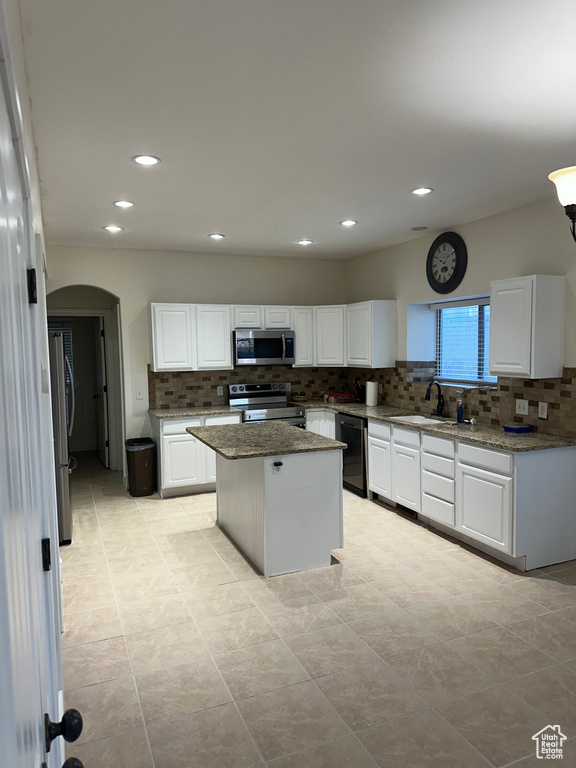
(438, 464)
(377, 429)
(223, 418)
(439, 510)
(409, 437)
(178, 426)
(482, 457)
(436, 485)
(438, 445)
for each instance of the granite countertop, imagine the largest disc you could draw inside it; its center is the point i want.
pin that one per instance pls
(249, 441)
(186, 413)
(378, 412)
(481, 434)
(494, 437)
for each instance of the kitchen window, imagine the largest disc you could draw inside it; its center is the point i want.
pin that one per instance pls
(462, 341)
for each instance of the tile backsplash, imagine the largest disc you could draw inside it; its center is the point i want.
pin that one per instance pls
(403, 386)
(198, 388)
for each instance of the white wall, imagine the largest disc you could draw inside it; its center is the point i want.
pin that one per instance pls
(140, 277)
(526, 241)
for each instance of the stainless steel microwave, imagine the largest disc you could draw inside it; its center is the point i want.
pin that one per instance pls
(263, 347)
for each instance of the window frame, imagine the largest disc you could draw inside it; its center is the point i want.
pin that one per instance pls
(482, 352)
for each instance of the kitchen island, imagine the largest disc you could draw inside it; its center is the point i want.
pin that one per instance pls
(279, 492)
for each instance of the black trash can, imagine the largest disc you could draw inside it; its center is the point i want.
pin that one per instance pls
(141, 462)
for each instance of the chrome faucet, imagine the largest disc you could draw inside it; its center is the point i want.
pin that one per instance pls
(440, 406)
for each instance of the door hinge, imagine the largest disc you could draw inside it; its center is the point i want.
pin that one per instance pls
(32, 292)
(102, 333)
(107, 444)
(46, 555)
(105, 388)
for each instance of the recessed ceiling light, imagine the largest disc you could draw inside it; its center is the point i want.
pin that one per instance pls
(304, 242)
(348, 223)
(422, 191)
(418, 229)
(217, 236)
(123, 203)
(112, 228)
(146, 159)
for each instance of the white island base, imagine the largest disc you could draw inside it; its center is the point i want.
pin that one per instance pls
(284, 512)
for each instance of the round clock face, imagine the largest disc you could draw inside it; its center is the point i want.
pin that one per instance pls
(446, 262)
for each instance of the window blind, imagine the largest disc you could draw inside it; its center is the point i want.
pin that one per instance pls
(462, 341)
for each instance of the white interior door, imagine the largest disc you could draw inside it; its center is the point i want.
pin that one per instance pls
(102, 393)
(30, 661)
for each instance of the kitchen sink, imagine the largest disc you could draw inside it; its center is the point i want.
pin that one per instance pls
(415, 420)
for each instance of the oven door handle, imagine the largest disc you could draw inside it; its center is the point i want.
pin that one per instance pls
(283, 347)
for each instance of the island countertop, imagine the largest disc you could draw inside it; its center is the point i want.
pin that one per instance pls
(271, 438)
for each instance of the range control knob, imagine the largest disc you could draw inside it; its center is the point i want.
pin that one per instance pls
(280, 386)
(234, 389)
(274, 386)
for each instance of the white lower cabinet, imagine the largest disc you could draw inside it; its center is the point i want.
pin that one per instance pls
(438, 484)
(380, 459)
(484, 508)
(321, 423)
(182, 461)
(379, 466)
(406, 468)
(185, 465)
(518, 506)
(211, 421)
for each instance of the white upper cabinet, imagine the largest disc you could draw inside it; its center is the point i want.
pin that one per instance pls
(371, 334)
(277, 317)
(214, 337)
(527, 326)
(247, 317)
(172, 336)
(330, 335)
(303, 318)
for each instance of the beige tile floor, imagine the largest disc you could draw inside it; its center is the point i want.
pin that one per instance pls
(414, 652)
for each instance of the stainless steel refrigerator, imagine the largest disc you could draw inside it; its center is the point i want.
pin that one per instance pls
(62, 388)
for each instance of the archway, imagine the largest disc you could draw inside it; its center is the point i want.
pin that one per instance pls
(91, 318)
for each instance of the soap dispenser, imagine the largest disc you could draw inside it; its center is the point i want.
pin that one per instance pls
(459, 408)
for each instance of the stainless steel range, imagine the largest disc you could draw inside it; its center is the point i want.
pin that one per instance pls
(262, 402)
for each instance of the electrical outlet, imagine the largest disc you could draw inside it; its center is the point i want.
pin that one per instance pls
(220, 390)
(522, 407)
(139, 394)
(542, 410)
(288, 387)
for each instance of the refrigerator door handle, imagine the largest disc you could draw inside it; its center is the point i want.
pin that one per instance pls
(72, 395)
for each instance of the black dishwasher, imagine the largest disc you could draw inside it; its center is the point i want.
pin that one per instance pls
(352, 431)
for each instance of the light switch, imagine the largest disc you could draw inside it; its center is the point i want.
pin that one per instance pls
(139, 394)
(522, 407)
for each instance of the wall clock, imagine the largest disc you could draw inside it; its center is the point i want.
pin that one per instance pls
(446, 263)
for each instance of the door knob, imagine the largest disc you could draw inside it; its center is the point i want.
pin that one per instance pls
(73, 762)
(70, 728)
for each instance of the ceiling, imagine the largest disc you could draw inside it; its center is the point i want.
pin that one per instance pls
(277, 119)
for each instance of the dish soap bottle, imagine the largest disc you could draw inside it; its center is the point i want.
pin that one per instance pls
(459, 409)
